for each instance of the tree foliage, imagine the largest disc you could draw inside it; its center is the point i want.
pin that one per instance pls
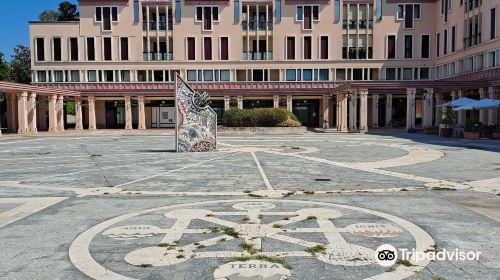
(68, 11)
(4, 69)
(21, 65)
(48, 16)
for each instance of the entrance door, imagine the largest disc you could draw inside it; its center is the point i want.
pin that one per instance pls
(307, 111)
(115, 114)
(162, 117)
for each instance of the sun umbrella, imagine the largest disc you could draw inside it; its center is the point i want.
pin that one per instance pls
(482, 104)
(458, 103)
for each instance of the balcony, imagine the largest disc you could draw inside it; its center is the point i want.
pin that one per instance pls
(253, 25)
(354, 24)
(153, 26)
(257, 56)
(157, 56)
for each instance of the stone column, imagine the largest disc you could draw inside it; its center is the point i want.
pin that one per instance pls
(60, 113)
(326, 110)
(128, 113)
(276, 101)
(493, 113)
(142, 112)
(11, 112)
(78, 113)
(439, 110)
(428, 107)
(289, 103)
(92, 120)
(375, 99)
(52, 113)
(410, 108)
(461, 114)
(363, 110)
(240, 102)
(342, 112)
(32, 120)
(42, 114)
(353, 112)
(388, 110)
(483, 116)
(227, 103)
(22, 114)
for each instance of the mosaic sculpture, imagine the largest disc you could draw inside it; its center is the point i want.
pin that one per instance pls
(196, 122)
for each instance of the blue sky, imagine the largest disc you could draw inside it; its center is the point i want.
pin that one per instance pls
(14, 17)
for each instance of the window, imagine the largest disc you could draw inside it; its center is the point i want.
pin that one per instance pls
(324, 47)
(400, 12)
(208, 75)
(42, 76)
(391, 46)
(324, 75)
(408, 13)
(92, 76)
(307, 14)
(90, 49)
(73, 45)
(114, 14)
(390, 74)
(307, 47)
(445, 42)
(207, 15)
(224, 75)
(307, 75)
(224, 48)
(290, 48)
(424, 73)
(425, 48)
(191, 48)
(108, 55)
(108, 76)
(291, 75)
(40, 49)
(98, 14)
(407, 73)
(58, 76)
(125, 75)
(106, 15)
(191, 75)
(438, 40)
(453, 38)
(75, 76)
(207, 48)
(106, 24)
(408, 46)
(493, 23)
(56, 44)
(124, 48)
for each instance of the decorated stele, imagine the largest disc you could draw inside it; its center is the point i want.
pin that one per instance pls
(196, 122)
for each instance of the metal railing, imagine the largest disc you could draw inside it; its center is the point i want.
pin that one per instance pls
(254, 25)
(157, 56)
(257, 56)
(153, 26)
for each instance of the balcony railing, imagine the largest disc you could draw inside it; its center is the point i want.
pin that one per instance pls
(157, 56)
(353, 24)
(257, 56)
(153, 26)
(253, 25)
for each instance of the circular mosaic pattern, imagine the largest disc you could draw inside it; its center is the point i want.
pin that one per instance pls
(343, 230)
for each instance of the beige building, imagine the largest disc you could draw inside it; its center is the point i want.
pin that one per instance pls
(350, 64)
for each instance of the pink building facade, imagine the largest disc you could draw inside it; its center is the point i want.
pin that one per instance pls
(350, 64)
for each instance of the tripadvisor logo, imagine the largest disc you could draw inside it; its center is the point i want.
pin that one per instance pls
(387, 255)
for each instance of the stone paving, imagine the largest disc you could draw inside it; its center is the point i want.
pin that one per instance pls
(313, 206)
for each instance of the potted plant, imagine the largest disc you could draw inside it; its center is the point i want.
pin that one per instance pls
(431, 130)
(496, 133)
(447, 120)
(471, 132)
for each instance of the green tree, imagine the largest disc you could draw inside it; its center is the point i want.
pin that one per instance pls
(48, 16)
(20, 66)
(68, 12)
(4, 69)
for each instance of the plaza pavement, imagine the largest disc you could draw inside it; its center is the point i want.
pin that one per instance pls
(315, 206)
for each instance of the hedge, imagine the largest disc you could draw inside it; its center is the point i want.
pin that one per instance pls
(267, 117)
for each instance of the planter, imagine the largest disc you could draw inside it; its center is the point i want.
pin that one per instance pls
(471, 135)
(496, 135)
(446, 132)
(433, 130)
(224, 130)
